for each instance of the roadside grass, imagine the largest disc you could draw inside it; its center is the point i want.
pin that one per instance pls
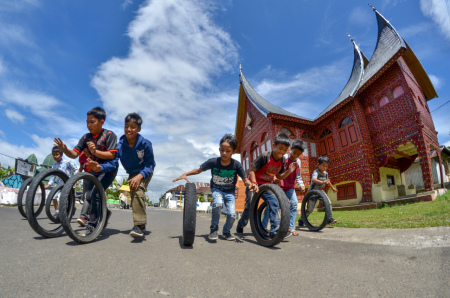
(412, 215)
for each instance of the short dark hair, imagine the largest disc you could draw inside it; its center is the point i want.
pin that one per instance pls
(98, 113)
(135, 117)
(282, 139)
(56, 149)
(299, 145)
(322, 159)
(230, 139)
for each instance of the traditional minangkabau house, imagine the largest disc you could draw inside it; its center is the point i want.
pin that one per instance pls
(372, 132)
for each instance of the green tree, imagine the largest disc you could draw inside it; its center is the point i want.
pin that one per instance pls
(4, 171)
(201, 198)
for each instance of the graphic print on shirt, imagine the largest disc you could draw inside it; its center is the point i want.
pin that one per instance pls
(140, 155)
(222, 177)
(271, 171)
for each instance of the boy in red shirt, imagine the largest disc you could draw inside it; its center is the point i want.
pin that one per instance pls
(265, 169)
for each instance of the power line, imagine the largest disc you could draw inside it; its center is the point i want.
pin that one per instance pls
(440, 106)
(7, 156)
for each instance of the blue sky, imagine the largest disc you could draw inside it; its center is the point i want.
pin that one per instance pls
(176, 63)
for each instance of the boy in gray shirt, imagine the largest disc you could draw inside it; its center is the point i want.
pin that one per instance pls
(319, 181)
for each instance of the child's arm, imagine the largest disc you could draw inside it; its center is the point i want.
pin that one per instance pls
(68, 152)
(299, 179)
(253, 180)
(328, 182)
(149, 163)
(106, 167)
(106, 155)
(184, 176)
(291, 169)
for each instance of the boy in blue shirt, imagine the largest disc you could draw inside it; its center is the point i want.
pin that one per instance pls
(136, 155)
(224, 172)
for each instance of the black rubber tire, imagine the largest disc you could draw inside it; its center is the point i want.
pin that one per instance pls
(22, 189)
(67, 202)
(322, 197)
(48, 203)
(189, 214)
(32, 220)
(20, 205)
(258, 230)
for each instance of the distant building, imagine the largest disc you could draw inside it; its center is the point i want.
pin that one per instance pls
(372, 132)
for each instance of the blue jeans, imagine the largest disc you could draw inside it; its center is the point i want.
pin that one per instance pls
(221, 198)
(273, 207)
(93, 197)
(292, 196)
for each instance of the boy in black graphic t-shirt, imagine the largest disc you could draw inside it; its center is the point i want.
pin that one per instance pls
(224, 172)
(102, 146)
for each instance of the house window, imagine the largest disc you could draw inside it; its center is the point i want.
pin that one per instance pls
(390, 180)
(254, 151)
(346, 191)
(346, 121)
(326, 142)
(269, 145)
(347, 132)
(398, 91)
(384, 100)
(286, 132)
(263, 148)
(313, 149)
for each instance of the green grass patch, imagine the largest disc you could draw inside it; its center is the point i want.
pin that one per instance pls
(413, 215)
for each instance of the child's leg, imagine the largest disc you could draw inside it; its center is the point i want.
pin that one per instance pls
(311, 205)
(139, 203)
(231, 212)
(85, 210)
(217, 197)
(292, 196)
(274, 205)
(243, 221)
(265, 218)
(106, 180)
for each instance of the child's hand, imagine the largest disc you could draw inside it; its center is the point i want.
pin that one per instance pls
(60, 144)
(277, 181)
(86, 152)
(181, 177)
(135, 182)
(292, 167)
(95, 166)
(302, 189)
(334, 190)
(92, 148)
(253, 187)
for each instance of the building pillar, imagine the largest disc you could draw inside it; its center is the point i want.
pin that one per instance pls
(425, 164)
(439, 155)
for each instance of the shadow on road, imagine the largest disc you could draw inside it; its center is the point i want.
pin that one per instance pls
(104, 235)
(180, 241)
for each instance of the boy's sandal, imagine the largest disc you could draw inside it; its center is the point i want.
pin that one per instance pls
(295, 233)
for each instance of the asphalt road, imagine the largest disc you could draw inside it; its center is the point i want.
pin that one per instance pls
(335, 262)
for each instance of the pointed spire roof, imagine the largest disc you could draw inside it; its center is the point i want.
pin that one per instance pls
(260, 103)
(48, 161)
(389, 45)
(32, 159)
(359, 63)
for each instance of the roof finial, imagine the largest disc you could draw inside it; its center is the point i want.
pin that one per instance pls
(350, 37)
(240, 67)
(374, 9)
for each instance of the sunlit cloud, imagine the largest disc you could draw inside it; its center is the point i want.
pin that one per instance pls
(438, 11)
(14, 116)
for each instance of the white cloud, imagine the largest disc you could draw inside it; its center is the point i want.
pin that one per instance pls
(47, 111)
(437, 82)
(438, 11)
(175, 54)
(416, 29)
(312, 90)
(14, 116)
(2, 66)
(2, 134)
